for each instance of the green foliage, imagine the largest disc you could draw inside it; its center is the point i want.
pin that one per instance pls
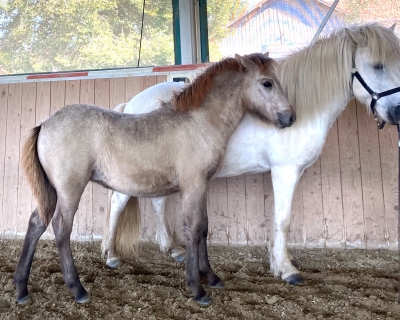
(58, 35)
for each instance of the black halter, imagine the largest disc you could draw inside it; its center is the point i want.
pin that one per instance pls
(375, 96)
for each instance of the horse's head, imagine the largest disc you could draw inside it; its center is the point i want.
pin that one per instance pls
(377, 60)
(262, 92)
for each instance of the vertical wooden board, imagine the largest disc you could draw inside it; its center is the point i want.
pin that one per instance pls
(42, 113)
(269, 206)
(351, 178)
(42, 101)
(3, 139)
(161, 78)
(57, 92)
(100, 201)
(132, 87)
(84, 213)
(332, 191)
(297, 232)
(219, 219)
(72, 95)
(388, 141)
(255, 222)
(237, 209)
(11, 165)
(117, 91)
(371, 175)
(312, 204)
(25, 197)
(148, 224)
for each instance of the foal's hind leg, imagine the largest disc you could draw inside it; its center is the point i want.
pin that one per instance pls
(118, 204)
(284, 181)
(166, 241)
(62, 225)
(36, 228)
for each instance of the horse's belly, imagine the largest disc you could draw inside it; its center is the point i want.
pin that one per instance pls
(143, 184)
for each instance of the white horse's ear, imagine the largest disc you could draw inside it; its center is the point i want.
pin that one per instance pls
(356, 37)
(246, 62)
(393, 26)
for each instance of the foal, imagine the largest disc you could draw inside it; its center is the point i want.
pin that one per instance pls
(177, 148)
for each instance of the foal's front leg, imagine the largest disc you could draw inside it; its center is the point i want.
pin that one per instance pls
(284, 180)
(195, 230)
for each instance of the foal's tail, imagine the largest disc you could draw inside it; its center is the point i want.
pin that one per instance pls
(43, 191)
(128, 229)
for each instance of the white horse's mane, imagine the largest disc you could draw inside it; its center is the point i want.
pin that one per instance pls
(314, 76)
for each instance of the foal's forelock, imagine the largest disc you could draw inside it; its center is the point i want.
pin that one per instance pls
(321, 72)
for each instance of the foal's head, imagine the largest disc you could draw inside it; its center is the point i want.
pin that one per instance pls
(261, 92)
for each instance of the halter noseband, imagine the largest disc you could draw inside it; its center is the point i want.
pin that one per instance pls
(374, 95)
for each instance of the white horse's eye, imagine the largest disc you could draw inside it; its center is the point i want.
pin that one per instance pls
(377, 66)
(267, 84)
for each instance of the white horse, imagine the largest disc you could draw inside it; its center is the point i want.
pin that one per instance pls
(318, 81)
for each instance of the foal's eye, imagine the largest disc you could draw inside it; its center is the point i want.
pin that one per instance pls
(267, 84)
(377, 66)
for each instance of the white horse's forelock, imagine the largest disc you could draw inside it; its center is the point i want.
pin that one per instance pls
(314, 76)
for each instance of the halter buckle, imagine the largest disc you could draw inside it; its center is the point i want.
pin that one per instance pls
(375, 96)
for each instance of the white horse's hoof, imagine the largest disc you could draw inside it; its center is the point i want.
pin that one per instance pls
(113, 263)
(84, 299)
(295, 279)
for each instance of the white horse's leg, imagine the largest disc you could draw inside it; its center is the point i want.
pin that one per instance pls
(284, 181)
(118, 204)
(165, 239)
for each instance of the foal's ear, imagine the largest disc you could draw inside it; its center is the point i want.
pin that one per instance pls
(356, 37)
(266, 54)
(246, 62)
(393, 26)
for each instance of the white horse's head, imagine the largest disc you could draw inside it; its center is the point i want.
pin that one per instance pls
(377, 60)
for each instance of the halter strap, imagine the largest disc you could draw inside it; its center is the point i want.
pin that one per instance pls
(374, 95)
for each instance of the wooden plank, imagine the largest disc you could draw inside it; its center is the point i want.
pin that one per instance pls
(351, 177)
(374, 213)
(313, 217)
(389, 154)
(84, 214)
(42, 101)
(101, 205)
(269, 206)
(255, 222)
(11, 174)
(237, 209)
(218, 215)
(25, 197)
(333, 235)
(117, 91)
(57, 99)
(72, 95)
(296, 236)
(3, 140)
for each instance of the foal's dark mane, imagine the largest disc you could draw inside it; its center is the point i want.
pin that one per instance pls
(191, 96)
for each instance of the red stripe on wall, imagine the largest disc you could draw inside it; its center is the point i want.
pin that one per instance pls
(57, 75)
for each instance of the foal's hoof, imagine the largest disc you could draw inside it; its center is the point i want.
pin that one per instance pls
(180, 258)
(113, 263)
(204, 301)
(84, 299)
(218, 285)
(295, 264)
(295, 279)
(24, 300)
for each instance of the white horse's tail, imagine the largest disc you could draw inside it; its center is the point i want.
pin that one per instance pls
(120, 107)
(128, 230)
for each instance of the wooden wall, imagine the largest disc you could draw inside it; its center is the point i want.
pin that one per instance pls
(347, 199)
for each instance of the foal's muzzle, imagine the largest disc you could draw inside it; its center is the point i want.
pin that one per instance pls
(286, 119)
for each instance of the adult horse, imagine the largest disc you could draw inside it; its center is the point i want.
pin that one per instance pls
(318, 81)
(175, 148)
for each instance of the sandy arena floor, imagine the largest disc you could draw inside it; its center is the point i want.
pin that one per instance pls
(352, 284)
